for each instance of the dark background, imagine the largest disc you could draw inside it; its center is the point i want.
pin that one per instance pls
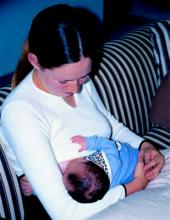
(128, 14)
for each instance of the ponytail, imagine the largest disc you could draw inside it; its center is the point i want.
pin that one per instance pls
(23, 67)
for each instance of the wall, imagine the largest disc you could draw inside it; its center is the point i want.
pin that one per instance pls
(151, 9)
(127, 15)
(15, 19)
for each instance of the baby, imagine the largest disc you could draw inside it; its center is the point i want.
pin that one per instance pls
(87, 179)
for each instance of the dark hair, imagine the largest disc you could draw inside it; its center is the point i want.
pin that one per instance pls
(56, 37)
(89, 187)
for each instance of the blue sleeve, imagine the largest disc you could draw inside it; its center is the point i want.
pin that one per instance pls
(97, 143)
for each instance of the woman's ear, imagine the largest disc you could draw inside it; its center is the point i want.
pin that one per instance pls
(32, 58)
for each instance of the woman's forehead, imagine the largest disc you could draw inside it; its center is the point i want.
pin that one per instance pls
(72, 71)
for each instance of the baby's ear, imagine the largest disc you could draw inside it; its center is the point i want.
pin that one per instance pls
(88, 194)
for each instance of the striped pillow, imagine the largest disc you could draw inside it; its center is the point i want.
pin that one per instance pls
(159, 136)
(11, 206)
(4, 91)
(126, 80)
(160, 36)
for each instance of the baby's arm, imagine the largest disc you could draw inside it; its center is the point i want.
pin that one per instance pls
(140, 181)
(92, 143)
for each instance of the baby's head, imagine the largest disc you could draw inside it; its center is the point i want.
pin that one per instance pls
(85, 181)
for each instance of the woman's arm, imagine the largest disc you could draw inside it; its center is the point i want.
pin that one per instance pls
(153, 158)
(28, 136)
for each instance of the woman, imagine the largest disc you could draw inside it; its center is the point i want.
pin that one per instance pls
(55, 101)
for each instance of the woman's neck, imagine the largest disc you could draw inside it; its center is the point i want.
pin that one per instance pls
(37, 81)
(70, 100)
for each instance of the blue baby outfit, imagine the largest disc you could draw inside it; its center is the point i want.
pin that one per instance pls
(122, 158)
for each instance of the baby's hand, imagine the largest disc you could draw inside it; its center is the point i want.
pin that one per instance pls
(139, 171)
(79, 140)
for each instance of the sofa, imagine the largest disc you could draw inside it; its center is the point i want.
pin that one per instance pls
(130, 72)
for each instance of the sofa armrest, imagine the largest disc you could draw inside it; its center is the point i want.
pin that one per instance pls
(11, 205)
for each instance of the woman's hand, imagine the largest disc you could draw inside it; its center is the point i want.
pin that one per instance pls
(153, 159)
(25, 186)
(79, 139)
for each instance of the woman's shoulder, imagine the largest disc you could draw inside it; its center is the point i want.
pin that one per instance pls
(20, 95)
(19, 91)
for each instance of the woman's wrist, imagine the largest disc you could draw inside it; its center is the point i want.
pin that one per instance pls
(147, 144)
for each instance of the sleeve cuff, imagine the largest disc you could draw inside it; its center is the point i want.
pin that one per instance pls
(141, 144)
(19, 177)
(125, 189)
(156, 146)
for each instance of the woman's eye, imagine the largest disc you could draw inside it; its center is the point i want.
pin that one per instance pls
(83, 79)
(62, 82)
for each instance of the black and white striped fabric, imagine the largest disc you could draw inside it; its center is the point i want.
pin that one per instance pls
(11, 206)
(159, 136)
(160, 36)
(127, 81)
(4, 91)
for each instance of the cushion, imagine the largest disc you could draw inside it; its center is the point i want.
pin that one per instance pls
(159, 136)
(11, 205)
(126, 80)
(160, 109)
(160, 35)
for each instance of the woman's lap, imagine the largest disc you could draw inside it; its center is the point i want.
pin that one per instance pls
(34, 210)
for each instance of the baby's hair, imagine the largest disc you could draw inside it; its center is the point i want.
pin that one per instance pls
(89, 187)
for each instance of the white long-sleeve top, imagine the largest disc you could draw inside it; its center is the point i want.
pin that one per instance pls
(37, 127)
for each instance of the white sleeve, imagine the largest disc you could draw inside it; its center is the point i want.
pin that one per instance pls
(28, 137)
(10, 152)
(119, 131)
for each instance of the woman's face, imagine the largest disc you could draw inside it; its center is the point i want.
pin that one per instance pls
(66, 80)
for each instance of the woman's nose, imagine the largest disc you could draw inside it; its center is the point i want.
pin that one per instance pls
(74, 86)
